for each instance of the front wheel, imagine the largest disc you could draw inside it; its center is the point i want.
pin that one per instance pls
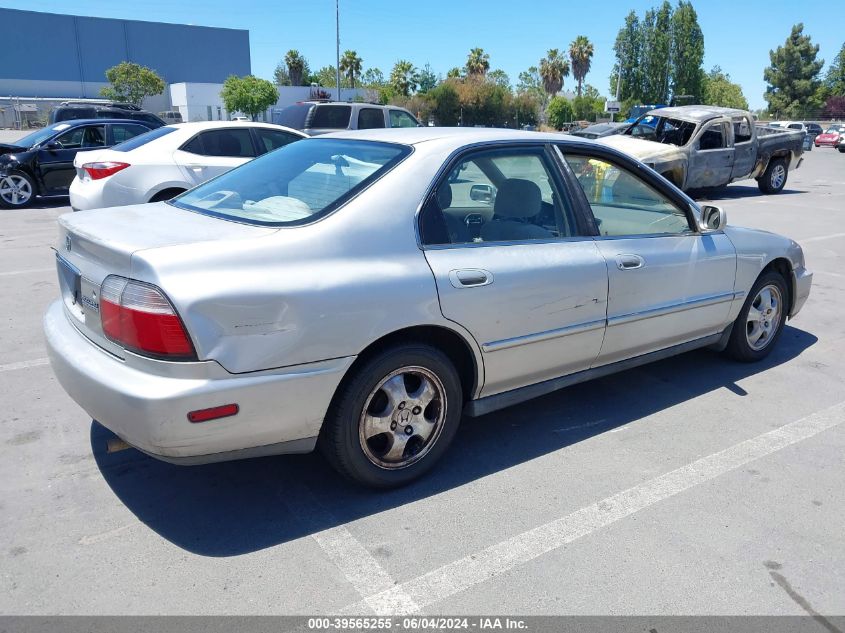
(394, 417)
(760, 322)
(773, 179)
(17, 190)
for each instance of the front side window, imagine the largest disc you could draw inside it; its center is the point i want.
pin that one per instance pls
(234, 143)
(624, 204)
(400, 118)
(71, 139)
(496, 196)
(122, 132)
(370, 118)
(713, 137)
(295, 184)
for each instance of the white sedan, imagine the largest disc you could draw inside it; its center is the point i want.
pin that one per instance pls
(169, 160)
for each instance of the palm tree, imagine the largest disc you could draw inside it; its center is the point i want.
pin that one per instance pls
(403, 77)
(297, 67)
(553, 68)
(581, 54)
(350, 65)
(478, 62)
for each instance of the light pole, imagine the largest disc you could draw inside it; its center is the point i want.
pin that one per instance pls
(337, 50)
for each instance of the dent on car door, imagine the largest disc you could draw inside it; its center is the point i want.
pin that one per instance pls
(524, 281)
(56, 165)
(668, 282)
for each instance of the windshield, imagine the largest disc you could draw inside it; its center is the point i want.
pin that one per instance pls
(832, 130)
(38, 137)
(662, 130)
(295, 184)
(143, 139)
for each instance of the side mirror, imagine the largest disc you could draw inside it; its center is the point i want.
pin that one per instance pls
(53, 145)
(713, 218)
(482, 193)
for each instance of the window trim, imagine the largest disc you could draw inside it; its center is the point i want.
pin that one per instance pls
(543, 147)
(636, 168)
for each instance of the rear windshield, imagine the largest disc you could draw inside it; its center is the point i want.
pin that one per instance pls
(331, 116)
(142, 139)
(295, 184)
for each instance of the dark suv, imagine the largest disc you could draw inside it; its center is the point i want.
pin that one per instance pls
(72, 110)
(320, 117)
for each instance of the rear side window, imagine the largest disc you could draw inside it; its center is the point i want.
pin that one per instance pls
(231, 143)
(742, 129)
(143, 139)
(292, 116)
(295, 184)
(370, 118)
(123, 132)
(268, 139)
(146, 118)
(331, 116)
(400, 118)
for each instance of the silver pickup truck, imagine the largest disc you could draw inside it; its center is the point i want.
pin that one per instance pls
(706, 146)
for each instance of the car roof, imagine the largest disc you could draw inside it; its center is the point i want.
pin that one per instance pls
(454, 136)
(210, 125)
(696, 113)
(76, 122)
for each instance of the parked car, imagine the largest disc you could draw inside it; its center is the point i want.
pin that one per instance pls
(240, 118)
(840, 145)
(600, 130)
(320, 117)
(41, 163)
(168, 160)
(831, 136)
(170, 116)
(72, 110)
(352, 291)
(707, 146)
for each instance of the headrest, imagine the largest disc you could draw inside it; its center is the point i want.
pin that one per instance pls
(444, 196)
(517, 198)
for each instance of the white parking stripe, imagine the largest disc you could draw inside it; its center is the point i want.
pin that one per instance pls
(506, 555)
(821, 237)
(35, 362)
(362, 571)
(27, 271)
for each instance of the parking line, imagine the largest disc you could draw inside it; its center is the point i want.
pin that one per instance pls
(502, 557)
(6, 273)
(821, 237)
(359, 567)
(24, 364)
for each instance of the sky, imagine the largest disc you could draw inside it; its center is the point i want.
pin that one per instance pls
(738, 34)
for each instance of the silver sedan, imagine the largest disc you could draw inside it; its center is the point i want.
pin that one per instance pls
(364, 291)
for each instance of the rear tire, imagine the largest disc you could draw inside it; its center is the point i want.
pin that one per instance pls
(760, 322)
(392, 419)
(773, 179)
(17, 190)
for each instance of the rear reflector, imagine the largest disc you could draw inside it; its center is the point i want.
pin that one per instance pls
(104, 169)
(139, 317)
(204, 415)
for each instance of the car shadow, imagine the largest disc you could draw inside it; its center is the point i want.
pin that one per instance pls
(736, 192)
(233, 508)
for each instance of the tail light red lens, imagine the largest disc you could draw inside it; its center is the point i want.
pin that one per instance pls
(139, 317)
(104, 169)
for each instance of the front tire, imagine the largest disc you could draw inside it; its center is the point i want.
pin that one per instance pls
(760, 322)
(773, 179)
(394, 417)
(17, 190)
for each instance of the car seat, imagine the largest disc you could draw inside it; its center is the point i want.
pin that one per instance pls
(517, 201)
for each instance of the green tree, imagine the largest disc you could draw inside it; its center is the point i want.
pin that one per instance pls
(350, 66)
(589, 105)
(297, 66)
(446, 103)
(281, 76)
(248, 94)
(655, 60)
(834, 79)
(403, 77)
(478, 62)
(500, 78)
(628, 49)
(581, 55)
(327, 78)
(526, 108)
(483, 102)
(687, 52)
(530, 82)
(427, 80)
(373, 78)
(131, 83)
(559, 112)
(719, 90)
(793, 75)
(453, 73)
(553, 68)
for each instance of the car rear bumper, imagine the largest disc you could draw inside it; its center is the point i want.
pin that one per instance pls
(146, 402)
(802, 281)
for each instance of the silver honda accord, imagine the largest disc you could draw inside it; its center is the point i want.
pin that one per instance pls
(365, 290)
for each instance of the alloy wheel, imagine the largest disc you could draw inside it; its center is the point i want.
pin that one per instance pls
(15, 190)
(764, 316)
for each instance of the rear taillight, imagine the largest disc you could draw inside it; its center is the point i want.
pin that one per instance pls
(139, 317)
(104, 169)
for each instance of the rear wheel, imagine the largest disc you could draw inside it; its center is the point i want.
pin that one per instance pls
(773, 179)
(394, 418)
(167, 194)
(761, 320)
(17, 190)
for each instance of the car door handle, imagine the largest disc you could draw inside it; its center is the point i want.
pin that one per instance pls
(629, 262)
(470, 277)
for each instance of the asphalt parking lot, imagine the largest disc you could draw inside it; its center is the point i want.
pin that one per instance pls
(695, 485)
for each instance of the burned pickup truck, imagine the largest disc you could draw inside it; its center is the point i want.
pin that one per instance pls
(705, 146)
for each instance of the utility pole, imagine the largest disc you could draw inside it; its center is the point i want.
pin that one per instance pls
(337, 51)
